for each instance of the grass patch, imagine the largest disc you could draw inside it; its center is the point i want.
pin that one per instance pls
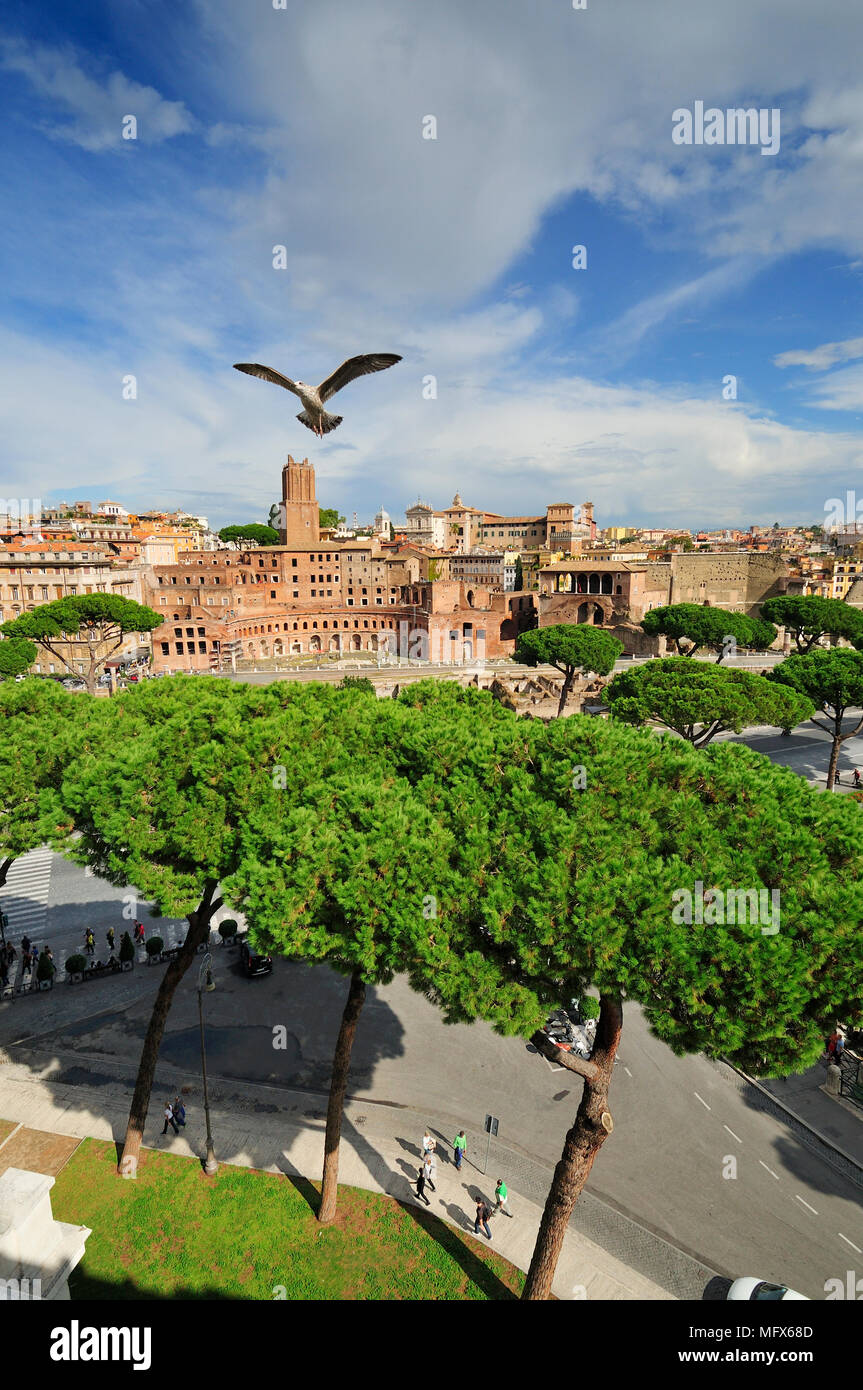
(174, 1233)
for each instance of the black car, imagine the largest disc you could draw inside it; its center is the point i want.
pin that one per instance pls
(253, 962)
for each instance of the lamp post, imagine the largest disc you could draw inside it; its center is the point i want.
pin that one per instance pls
(205, 982)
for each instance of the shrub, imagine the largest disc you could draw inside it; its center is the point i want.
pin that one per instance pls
(155, 946)
(76, 965)
(357, 683)
(589, 1007)
(127, 950)
(227, 928)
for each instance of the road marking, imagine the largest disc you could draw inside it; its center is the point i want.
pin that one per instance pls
(628, 1072)
(770, 1170)
(703, 1102)
(851, 1243)
(552, 1066)
(806, 1204)
(733, 1135)
(24, 896)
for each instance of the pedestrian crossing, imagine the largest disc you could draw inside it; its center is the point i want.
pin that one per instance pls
(24, 896)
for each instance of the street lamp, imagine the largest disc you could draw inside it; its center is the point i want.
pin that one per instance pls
(206, 982)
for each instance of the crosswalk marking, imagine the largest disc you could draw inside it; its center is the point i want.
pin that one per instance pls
(24, 896)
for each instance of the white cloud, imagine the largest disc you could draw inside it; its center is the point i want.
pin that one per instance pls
(819, 358)
(95, 108)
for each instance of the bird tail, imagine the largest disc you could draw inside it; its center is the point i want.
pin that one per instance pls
(324, 422)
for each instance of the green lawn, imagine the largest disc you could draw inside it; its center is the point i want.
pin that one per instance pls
(174, 1233)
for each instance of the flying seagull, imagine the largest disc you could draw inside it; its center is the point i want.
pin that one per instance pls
(313, 416)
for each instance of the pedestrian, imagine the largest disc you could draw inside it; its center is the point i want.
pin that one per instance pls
(483, 1212)
(421, 1185)
(169, 1119)
(459, 1146)
(430, 1168)
(840, 1047)
(4, 968)
(502, 1194)
(831, 1043)
(110, 935)
(25, 945)
(429, 1144)
(179, 1111)
(857, 777)
(90, 942)
(25, 961)
(139, 933)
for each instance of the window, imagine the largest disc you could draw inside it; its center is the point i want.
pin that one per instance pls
(293, 564)
(178, 631)
(296, 593)
(200, 632)
(202, 646)
(272, 593)
(190, 632)
(165, 648)
(179, 647)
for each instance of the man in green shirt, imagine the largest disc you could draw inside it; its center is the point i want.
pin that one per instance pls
(501, 1194)
(459, 1145)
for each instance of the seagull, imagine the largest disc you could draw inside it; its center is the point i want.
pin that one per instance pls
(314, 417)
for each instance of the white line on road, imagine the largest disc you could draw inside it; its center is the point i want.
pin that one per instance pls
(733, 1135)
(628, 1072)
(806, 1204)
(770, 1170)
(703, 1102)
(851, 1243)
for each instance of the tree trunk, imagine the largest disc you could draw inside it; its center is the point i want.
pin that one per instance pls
(567, 686)
(199, 926)
(5, 865)
(592, 1126)
(90, 679)
(834, 761)
(338, 1087)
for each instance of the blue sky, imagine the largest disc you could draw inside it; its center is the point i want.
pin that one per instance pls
(303, 127)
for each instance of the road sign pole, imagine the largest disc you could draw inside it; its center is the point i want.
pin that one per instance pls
(491, 1128)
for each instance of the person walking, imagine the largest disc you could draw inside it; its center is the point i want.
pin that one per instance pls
(857, 778)
(25, 958)
(4, 967)
(430, 1169)
(169, 1119)
(90, 942)
(483, 1212)
(25, 945)
(139, 933)
(429, 1143)
(34, 959)
(421, 1185)
(179, 1111)
(110, 937)
(459, 1148)
(839, 1048)
(502, 1194)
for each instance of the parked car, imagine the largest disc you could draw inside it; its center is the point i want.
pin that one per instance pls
(252, 961)
(760, 1291)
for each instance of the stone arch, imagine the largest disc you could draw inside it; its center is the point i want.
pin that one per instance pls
(315, 644)
(583, 614)
(356, 642)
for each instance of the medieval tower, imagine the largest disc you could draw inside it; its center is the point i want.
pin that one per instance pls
(299, 523)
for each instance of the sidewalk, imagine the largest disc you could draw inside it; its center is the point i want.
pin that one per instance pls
(836, 1121)
(379, 1151)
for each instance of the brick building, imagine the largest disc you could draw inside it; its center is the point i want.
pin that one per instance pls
(321, 597)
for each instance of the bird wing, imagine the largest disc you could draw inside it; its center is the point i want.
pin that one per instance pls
(354, 367)
(267, 374)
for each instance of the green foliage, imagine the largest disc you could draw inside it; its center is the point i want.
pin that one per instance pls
(357, 683)
(698, 700)
(589, 1006)
(76, 965)
(154, 946)
(569, 648)
(100, 617)
(519, 573)
(44, 729)
(46, 968)
(704, 627)
(810, 617)
(127, 950)
(16, 656)
(832, 680)
(252, 531)
(570, 888)
(329, 517)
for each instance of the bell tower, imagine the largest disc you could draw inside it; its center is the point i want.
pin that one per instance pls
(299, 523)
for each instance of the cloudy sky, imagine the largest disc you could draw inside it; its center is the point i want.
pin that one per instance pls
(303, 127)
